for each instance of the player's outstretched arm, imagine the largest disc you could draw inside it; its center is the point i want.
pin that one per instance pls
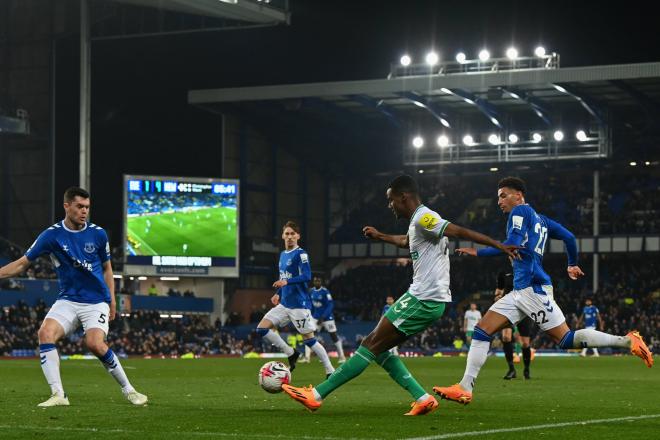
(14, 268)
(456, 231)
(397, 240)
(559, 232)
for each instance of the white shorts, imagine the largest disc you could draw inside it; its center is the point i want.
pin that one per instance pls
(328, 325)
(542, 309)
(301, 319)
(71, 314)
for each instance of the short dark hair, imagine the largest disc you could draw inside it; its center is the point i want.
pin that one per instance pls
(512, 182)
(73, 192)
(404, 184)
(293, 225)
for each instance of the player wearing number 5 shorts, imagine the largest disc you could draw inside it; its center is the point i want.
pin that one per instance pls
(80, 253)
(532, 291)
(292, 301)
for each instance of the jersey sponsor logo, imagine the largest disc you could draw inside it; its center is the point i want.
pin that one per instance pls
(304, 258)
(517, 221)
(414, 255)
(288, 262)
(90, 248)
(428, 221)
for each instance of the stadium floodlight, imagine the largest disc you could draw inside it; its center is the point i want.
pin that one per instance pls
(493, 169)
(142, 278)
(421, 171)
(468, 140)
(633, 164)
(558, 135)
(539, 51)
(418, 142)
(513, 138)
(445, 122)
(460, 57)
(406, 60)
(442, 141)
(581, 135)
(536, 138)
(117, 277)
(512, 53)
(432, 58)
(494, 139)
(647, 163)
(484, 55)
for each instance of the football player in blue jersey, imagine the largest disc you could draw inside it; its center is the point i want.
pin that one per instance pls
(532, 295)
(591, 318)
(80, 253)
(322, 311)
(292, 301)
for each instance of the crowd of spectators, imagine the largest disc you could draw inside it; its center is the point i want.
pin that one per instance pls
(140, 333)
(41, 268)
(629, 203)
(154, 203)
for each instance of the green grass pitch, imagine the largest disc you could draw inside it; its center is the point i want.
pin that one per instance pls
(209, 232)
(220, 398)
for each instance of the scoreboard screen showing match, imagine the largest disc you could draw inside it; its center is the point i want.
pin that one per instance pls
(181, 226)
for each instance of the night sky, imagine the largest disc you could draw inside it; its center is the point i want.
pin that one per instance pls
(141, 122)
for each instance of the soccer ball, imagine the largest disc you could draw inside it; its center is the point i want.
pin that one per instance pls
(272, 375)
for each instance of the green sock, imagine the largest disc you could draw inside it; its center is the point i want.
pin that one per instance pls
(398, 371)
(347, 371)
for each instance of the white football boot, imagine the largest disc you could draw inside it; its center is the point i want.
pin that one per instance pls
(55, 400)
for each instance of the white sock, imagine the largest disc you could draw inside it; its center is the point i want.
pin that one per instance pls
(308, 352)
(340, 349)
(395, 351)
(584, 352)
(593, 338)
(423, 398)
(319, 350)
(317, 396)
(111, 363)
(50, 365)
(595, 351)
(276, 340)
(475, 360)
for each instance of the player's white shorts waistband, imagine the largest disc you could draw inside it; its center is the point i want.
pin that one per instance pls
(542, 309)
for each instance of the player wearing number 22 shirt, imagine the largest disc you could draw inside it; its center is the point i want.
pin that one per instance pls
(532, 291)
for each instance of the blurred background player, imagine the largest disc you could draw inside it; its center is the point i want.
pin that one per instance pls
(81, 256)
(532, 295)
(522, 330)
(388, 303)
(292, 301)
(470, 319)
(591, 317)
(322, 312)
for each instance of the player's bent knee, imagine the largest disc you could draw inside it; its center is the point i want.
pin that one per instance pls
(46, 335)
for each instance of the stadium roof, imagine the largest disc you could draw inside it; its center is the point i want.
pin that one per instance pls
(245, 10)
(386, 111)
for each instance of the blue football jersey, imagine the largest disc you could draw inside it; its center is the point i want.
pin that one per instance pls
(530, 230)
(322, 304)
(590, 316)
(295, 268)
(78, 257)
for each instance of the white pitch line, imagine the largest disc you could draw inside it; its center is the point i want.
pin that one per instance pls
(179, 433)
(534, 427)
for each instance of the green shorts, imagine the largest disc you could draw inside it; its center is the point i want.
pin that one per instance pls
(411, 315)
